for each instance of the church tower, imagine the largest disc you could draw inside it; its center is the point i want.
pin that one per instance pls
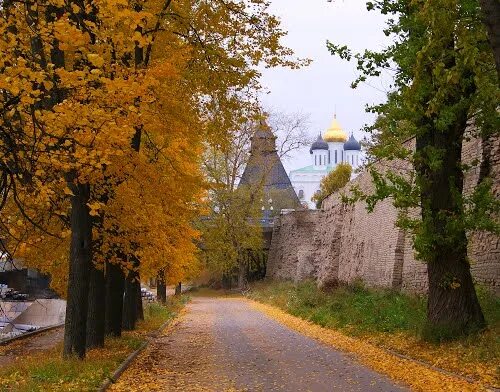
(327, 153)
(319, 153)
(335, 137)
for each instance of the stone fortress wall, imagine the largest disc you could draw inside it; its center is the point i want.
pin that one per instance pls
(344, 243)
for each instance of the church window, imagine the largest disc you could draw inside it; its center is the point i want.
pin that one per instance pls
(352, 159)
(315, 160)
(301, 194)
(357, 161)
(328, 156)
(335, 156)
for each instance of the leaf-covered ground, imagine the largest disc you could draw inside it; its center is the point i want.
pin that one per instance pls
(223, 344)
(390, 320)
(45, 370)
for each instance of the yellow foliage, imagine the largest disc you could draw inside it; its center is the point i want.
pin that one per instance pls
(74, 97)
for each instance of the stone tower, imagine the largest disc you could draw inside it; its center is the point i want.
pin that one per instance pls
(264, 169)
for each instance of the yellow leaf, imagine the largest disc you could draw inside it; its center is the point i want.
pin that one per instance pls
(95, 59)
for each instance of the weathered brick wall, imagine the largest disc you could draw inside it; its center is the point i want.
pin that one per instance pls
(345, 243)
(484, 248)
(291, 255)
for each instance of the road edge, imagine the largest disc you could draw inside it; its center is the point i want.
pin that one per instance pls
(110, 380)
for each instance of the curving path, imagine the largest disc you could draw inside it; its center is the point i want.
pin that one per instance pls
(226, 345)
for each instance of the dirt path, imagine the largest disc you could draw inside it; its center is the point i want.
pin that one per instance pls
(43, 341)
(225, 345)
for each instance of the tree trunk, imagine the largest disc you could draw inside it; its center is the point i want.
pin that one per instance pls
(130, 302)
(178, 289)
(140, 308)
(242, 272)
(491, 18)
(80, 259)
(453, 308)
(115, 282)
(96, 308)
(227, 281)
(161, 287)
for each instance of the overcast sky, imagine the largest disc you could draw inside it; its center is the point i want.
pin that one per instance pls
(316, 90)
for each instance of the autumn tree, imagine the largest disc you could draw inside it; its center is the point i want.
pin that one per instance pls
(61, 124)
(444, 80)
(105, 110)
(332, 182)
(232, 233)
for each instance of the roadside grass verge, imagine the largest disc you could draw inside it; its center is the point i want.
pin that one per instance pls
(393, 321)
(47, 371)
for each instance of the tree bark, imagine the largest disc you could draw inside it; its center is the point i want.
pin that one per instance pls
(491, 18)
(452, 311)
(96, 308)
(80, 259)
(140, 308)
(115, 282)
(161, 287)
(242, 271)
(130, 302)
(453, 308)
(178, 289)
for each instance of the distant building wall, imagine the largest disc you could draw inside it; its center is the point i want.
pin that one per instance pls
(343, 243)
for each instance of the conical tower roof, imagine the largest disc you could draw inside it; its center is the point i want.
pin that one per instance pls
(264, 166)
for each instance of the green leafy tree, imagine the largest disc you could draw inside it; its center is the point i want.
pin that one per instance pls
(444, 79)
(332, 182)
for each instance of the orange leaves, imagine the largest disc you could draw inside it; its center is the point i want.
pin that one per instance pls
(95, 207)
(95, 59)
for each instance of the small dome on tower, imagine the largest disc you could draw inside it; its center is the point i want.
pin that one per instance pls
(319, 144)
(335, 133)
(352, 144)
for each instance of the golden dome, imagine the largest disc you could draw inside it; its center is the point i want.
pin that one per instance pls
(335, 133)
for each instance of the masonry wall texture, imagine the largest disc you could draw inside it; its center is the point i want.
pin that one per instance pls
(343, 243)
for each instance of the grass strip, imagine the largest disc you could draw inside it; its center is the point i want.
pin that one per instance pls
(47, 371)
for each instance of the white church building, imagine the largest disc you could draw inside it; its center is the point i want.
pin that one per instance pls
(326, 153)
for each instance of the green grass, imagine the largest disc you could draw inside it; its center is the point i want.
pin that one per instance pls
(350, 307)
(47, 371)
(357, 308)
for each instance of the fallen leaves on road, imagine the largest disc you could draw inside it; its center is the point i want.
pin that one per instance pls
(418, 376)
(185, 363)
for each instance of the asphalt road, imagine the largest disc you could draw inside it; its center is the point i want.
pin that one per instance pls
(226, 345)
